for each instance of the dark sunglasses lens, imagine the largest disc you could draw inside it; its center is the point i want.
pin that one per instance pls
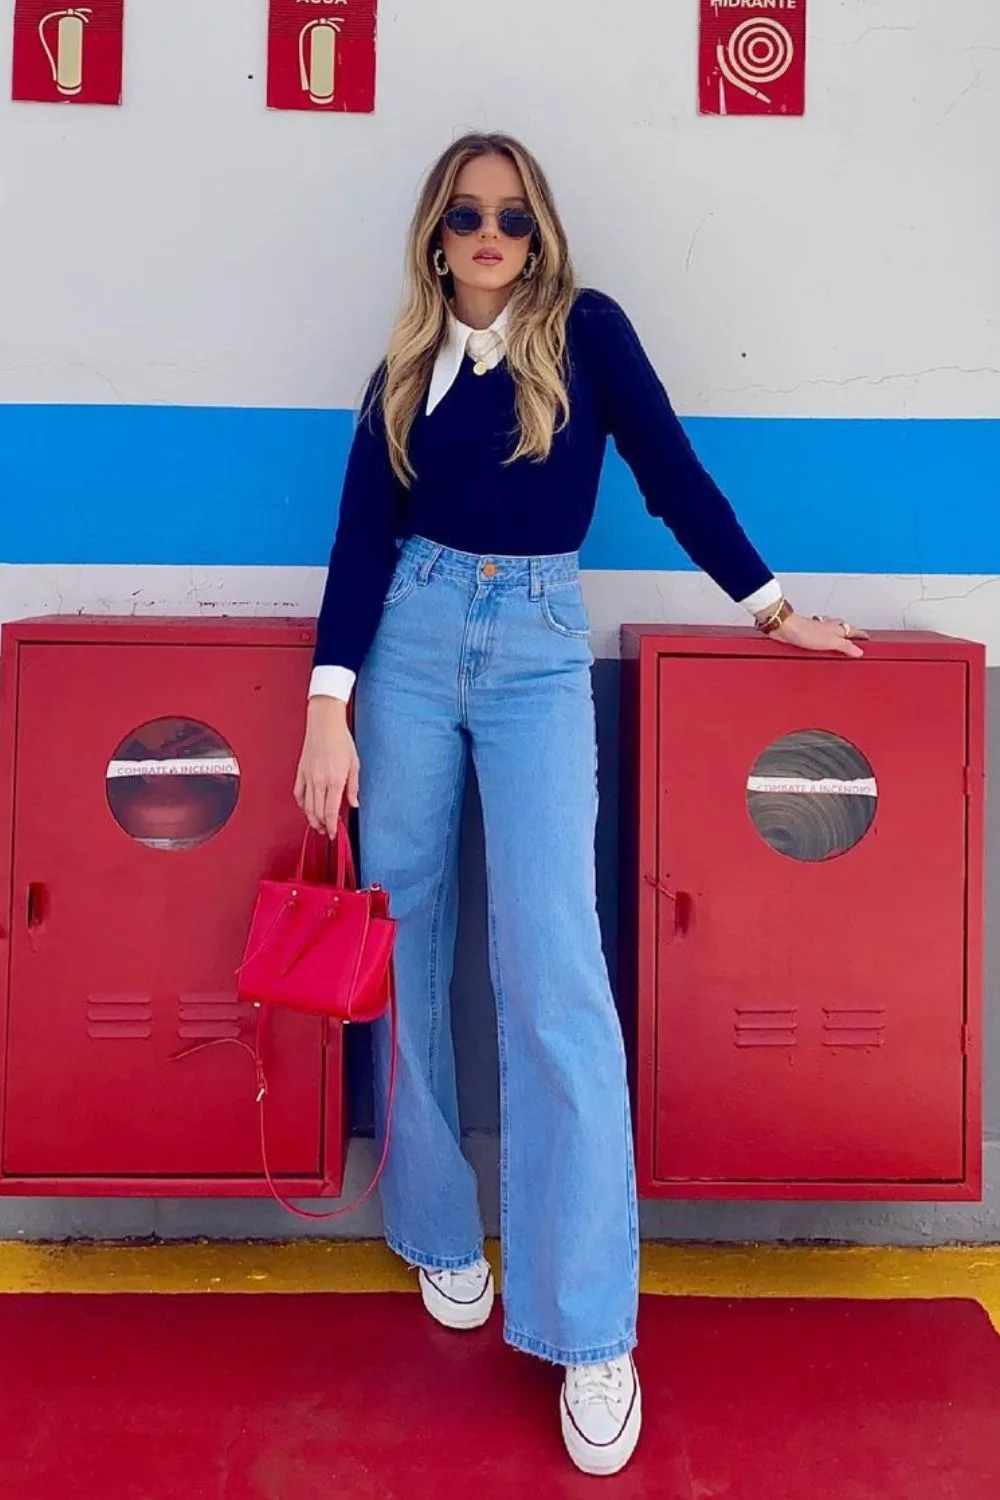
(516, 223)
(463, 220)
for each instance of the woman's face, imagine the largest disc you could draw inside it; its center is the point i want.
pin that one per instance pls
(487, 260)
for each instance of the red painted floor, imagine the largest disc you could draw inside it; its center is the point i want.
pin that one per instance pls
(319, 1397)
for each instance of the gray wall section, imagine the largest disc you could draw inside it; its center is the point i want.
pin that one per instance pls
(475, 1040)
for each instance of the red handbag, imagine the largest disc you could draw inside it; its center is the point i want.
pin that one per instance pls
(323, 947)
(320, 947)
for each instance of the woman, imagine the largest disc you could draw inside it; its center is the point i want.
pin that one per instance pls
(454, 594)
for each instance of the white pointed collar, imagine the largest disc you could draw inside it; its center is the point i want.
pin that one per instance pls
(454, 350)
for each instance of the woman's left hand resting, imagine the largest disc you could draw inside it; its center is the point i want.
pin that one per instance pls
(817, 633)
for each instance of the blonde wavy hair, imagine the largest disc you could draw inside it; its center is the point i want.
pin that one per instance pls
(538, 308)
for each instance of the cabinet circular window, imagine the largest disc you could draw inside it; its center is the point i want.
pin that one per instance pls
(173, 783)
(812, 795)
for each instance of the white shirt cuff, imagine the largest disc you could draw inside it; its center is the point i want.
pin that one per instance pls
(764, 598)
(332, 682)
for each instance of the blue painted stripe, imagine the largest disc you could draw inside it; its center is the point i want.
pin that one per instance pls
(246, 486)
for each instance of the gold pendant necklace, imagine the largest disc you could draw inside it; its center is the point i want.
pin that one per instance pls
(481, 356)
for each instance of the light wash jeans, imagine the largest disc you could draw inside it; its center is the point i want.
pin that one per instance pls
(490, 657)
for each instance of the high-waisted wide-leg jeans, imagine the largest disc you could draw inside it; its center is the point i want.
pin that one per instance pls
(489, 657)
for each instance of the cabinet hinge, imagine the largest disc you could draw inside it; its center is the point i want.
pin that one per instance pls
(965, 1039)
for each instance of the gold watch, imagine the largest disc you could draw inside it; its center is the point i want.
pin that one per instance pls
(777, 617)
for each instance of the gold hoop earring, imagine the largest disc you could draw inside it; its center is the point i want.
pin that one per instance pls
(530, 266)
(441, 265)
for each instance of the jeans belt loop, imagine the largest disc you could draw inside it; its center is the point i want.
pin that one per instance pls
(427, 566)
(535, 572)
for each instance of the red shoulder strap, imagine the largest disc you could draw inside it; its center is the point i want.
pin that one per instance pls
(256, 1052)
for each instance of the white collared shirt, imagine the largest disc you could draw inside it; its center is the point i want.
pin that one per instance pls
(487, 345)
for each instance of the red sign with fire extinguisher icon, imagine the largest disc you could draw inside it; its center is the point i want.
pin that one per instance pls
(70, 54)
(321, 55)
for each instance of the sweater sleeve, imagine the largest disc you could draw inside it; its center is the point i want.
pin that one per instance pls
(635, 411)
(364, 550)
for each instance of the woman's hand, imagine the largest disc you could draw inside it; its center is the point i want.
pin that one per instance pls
(820, 634)
(328, 766)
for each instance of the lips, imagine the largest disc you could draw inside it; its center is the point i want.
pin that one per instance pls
(488, 258)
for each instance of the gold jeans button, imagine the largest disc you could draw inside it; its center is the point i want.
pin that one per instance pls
(490, 570)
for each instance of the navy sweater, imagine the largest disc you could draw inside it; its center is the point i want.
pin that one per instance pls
(465, 497)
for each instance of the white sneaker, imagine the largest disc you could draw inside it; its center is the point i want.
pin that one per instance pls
(601, 1410)
(459, 1299)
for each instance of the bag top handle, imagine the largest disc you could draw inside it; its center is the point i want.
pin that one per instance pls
(345, 874)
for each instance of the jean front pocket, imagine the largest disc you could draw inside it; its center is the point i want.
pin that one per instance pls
(403, 583)
(564, 611)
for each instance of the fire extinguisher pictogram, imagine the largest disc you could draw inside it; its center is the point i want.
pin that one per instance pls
(318, 72)
(322, 59)
(66, 58)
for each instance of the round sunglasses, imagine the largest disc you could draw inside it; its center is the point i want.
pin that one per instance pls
(514, 223)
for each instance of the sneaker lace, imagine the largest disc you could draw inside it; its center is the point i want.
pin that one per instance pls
(469, 1278)
(595, 1383)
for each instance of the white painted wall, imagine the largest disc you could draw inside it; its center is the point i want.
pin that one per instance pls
(193, 248)
(966, 604)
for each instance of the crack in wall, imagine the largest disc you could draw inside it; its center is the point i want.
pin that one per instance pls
(872, 29)
(959, 97)
(694, 240)
(771, 390)
(928, 598)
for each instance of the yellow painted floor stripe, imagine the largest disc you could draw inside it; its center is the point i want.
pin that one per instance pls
(367, 1266)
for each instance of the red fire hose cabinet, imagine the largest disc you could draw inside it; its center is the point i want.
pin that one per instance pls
(146, 775)
(801, 941)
